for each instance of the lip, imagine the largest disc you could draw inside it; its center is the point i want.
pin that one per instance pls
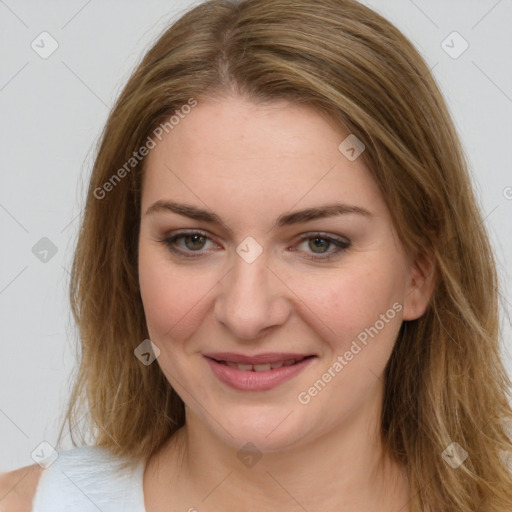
(267, 357)
(254, 380)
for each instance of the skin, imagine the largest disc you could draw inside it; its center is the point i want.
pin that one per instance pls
(249, 164)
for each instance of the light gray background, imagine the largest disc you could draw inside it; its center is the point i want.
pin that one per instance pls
(53, 111)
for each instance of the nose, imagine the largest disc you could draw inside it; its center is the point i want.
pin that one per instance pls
(252, 299)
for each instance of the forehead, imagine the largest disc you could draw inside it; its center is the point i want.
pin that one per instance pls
(233, 150)
(235, 128)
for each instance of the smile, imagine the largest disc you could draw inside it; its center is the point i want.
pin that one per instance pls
(262, 373)
(262, 367)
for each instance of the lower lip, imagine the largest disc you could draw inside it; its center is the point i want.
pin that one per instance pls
(256, 381)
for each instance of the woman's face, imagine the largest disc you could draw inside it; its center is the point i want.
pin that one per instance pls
(261, 272)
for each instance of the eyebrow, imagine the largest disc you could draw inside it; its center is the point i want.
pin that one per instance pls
(286, 219)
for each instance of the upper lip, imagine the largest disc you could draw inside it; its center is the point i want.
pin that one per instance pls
(267, 357)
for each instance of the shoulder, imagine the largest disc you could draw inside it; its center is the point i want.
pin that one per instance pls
(18, 487)
(89, 473)
(89, 478)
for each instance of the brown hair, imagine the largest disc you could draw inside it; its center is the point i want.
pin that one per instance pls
(445, 381)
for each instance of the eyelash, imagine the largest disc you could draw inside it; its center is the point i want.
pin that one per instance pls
(341, 245)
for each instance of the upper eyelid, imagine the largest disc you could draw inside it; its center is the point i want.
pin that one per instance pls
(175, 235)
(340, 243)
(303, 236)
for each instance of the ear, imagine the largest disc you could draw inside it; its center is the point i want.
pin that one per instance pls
(419, 287)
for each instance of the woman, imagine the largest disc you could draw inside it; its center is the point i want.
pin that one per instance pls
(285, 292)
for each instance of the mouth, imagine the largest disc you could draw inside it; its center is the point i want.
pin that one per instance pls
(261, 367)
(256, 373)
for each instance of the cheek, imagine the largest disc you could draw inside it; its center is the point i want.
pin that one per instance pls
(362, 310)
(338, 304)
(172, 296)
(347, 304)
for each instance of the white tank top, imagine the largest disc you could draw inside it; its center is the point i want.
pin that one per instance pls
(88, 479)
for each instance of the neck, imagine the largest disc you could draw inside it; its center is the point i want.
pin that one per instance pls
(344, 470)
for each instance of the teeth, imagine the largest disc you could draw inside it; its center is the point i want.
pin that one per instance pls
(260, 367)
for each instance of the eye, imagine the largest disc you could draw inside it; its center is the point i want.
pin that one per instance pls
(319, 244)
(191, 244)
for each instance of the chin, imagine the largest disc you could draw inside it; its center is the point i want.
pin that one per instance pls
(268, 430)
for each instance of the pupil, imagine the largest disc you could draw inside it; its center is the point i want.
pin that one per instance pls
(197, 239)
(323, 242)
